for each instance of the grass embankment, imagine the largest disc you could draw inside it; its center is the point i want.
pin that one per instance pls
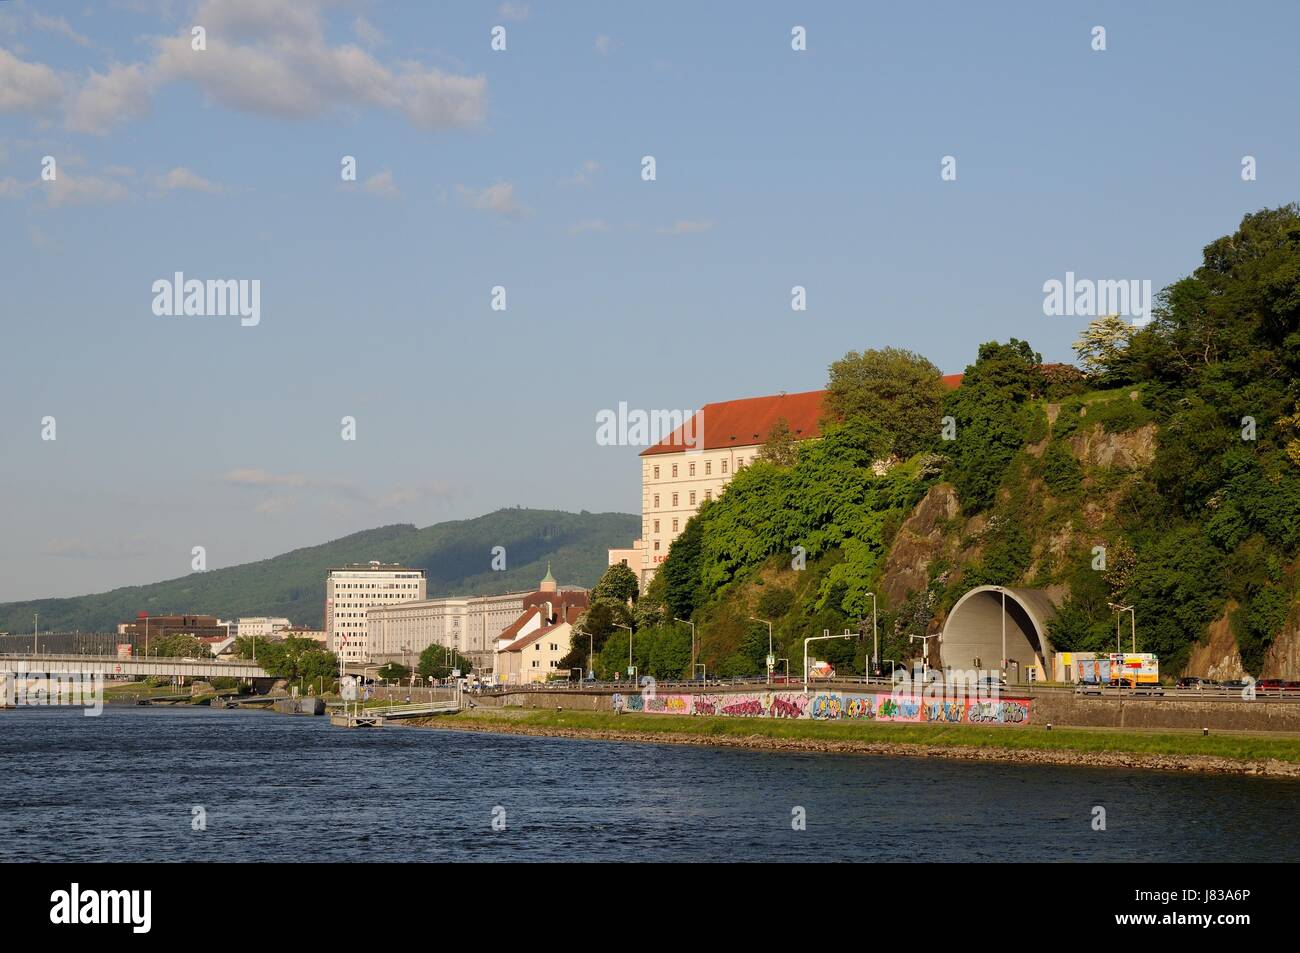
(1090, 745)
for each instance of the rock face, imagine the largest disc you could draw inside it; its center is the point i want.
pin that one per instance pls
(919, 540)
(1130, 450)
(1282, 660)
(1217, 657)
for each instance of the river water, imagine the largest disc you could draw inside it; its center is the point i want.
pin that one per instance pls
(134, 783)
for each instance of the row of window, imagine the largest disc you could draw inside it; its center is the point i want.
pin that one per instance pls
(690, 468)
(708, 495)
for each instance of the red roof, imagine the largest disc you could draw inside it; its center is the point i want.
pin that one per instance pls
(748, 421)
(530, 638)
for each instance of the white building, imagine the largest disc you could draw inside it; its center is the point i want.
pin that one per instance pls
(470, 625)
(262, 626)
(678, 475)
(465, 624)
(351, 591)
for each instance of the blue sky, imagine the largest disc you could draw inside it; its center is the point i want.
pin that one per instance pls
(521, 168)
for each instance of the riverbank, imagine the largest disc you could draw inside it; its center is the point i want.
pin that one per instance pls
(1241, 754)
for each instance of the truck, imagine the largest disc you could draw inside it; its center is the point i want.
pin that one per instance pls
(1134, 669)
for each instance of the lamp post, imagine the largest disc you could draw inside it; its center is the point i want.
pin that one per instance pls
(925, 650)
(630, 667)
(692, 625)
(875, 637)
(1119, 614)
(817, 638)
(769, 645)
(591, 649)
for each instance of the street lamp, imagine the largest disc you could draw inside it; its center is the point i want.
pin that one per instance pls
(875, 636)
(630, 667)
(769, 646)
(1132, 617)
(925, 649)
(692, 625)
(591, 650)
(817, 638)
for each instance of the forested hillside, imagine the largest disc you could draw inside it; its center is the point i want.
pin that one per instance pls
(1163, 472)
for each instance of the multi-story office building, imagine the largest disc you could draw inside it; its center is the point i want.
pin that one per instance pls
(351, 591)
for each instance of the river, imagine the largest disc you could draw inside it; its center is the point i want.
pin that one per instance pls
(134, 783)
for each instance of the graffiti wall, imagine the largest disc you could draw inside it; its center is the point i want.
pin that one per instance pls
(835, 706)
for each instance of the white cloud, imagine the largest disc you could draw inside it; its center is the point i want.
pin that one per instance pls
(27, 87)
(60, 26)
(585, 174)
(69, 190)
(498, 198)
(513, 10)
(686, 227)
(605, 45)
(588, 225)
(253, 476)
(382, 185)
(337, 493)
(269, 57)
(182, 178)
(124, 92)
(367, 32)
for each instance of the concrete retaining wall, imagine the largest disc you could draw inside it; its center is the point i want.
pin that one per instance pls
(1058, 708)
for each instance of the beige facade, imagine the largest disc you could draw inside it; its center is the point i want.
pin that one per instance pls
(673, 487)
(534, 657)
(352, 591)
(465, 624)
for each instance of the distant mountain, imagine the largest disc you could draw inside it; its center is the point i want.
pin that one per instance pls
(457, 556)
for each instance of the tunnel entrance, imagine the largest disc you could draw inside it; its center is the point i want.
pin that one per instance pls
(973, 635)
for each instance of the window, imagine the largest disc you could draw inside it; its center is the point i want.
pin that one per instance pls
(692, 469)
(674, 526)
(656, 545)
(708, 494)
(674, 500)
(674, 471)
(656, 526)
(656, 501)
(692, 497)
(724, 466)
(656, 473)
(708, 467)
(740, 462)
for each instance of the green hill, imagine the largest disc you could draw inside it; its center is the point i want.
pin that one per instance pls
(456, 555)
(1164, 475)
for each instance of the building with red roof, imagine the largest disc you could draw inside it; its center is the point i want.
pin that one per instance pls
(697, 460)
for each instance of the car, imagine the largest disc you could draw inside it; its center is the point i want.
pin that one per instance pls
(1194, 681)
(1270, 685)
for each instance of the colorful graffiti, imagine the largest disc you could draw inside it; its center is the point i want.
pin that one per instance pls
(833, 706)
(1009, 712)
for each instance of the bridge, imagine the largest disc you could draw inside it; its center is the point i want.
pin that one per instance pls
(129, 667)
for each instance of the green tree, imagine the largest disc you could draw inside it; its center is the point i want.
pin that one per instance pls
(1102, 349)
(781, 448)
(618, 583)
(902, 391)
(437, 661)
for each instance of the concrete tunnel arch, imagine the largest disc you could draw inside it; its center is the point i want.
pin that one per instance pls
(972, 633)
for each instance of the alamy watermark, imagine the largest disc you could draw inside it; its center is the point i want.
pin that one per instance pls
(216, 297)
(30, 689)
(1084, 297)
(635, 427)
